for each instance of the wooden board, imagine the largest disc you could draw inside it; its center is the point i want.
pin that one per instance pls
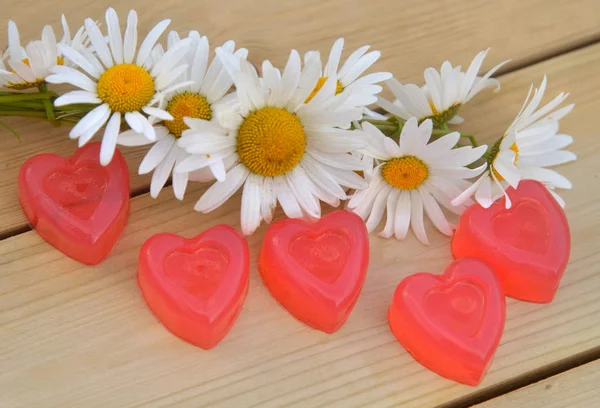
(576, 388)
(411, 35)
(72, 335)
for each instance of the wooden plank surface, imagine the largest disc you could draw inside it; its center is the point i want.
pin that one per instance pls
(576, 388)
(72, 335)
(411, 35)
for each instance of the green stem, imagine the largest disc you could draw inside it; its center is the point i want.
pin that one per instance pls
(11, 130)
(444, 126)
(25, 104)
(471, 139)
(36, 115)
(42, 95)
(26, 113)
(48, 105)
(86, 107)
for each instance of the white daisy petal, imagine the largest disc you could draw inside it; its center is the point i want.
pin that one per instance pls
(548, 159)
(149, 42)
(134, 120)
(218, 193)
(91, 66)
(434, 212)
(217, 167)
(300, 185)
(156, 154)
(199, 64)
(162, 171)
(180, 181)
(352, 60)
(97, 40)
(89, 120)
(361, 66)
(109, 140)
(89, 133)
(558, 198)
(77, 97)
(416, 217)
(379, 206)
(286, 198)
(69, 75)
(157, 113)
(392, 202)
(268, 200)
(251, 215)
(464, 196)
(130, 40)
(403, 214)
(546, 176)
(483, 193)
(334, 58)
(114, 35)
(132, 138)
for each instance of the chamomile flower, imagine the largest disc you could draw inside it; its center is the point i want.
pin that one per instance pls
(442, 95)
(284, 149)
(413, 177)
(362, 89)
(27, 67)
(530, 144)
(124, 80)
(207, 84)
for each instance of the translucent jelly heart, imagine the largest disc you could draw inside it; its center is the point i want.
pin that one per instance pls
(196, 287)
(451, 323)
(316, 271)
(75, 204)
(528, 245)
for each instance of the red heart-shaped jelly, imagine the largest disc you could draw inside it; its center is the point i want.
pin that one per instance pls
(316, 271)
(75, 204)
(196, 287)
(528, 245)
(451, 323)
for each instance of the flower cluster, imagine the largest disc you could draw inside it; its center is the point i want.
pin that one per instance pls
(296, 136)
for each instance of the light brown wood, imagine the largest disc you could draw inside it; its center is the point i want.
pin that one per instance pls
(411, 35)
(72, 335)
(576, 388)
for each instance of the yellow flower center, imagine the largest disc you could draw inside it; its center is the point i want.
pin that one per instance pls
(338, 88)
(271, 141)
(126, 87)
(405, 173)
(494, 153)
(186, 105)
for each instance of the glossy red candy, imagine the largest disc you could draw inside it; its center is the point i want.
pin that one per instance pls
(451, 323)
(76, 204)
(528, 245)
(196, 287)
(316, 271)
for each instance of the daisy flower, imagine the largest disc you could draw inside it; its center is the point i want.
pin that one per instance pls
(442, 95)
(123, 80)
(531, 143)
(206, 87)
(362, 90)
(284, 149)
(414, 175)
(29, 66)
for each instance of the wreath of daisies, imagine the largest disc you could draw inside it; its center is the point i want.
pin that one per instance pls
(294, 136)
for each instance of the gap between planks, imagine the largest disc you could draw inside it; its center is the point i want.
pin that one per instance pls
(526, 379)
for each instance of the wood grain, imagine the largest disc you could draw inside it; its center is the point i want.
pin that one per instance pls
(576, 388)
(79, 336)
(412, 35)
